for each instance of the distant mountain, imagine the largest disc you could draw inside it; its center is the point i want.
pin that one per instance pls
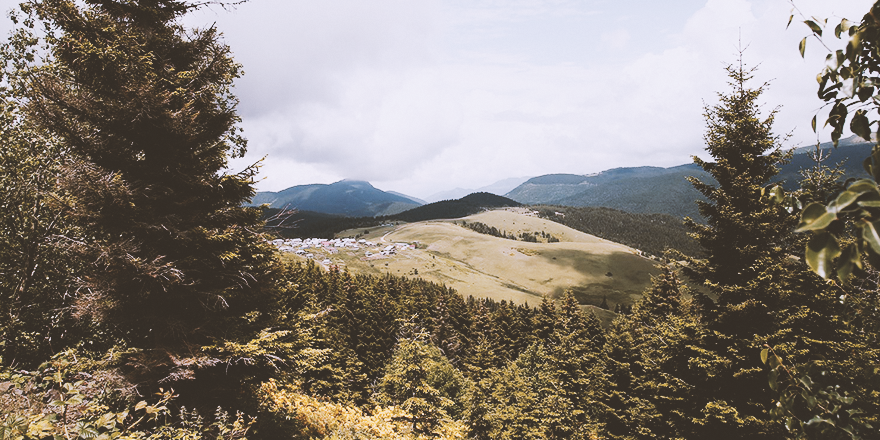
(463, 207)
(414, 199)
(304, 223)
(666, 190)
(351, 198)
(450, 194)
(500, 188)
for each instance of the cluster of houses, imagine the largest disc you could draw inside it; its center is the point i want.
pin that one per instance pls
(307, 247)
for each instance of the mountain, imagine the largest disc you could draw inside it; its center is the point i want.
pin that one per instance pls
(666, 190)
(414, 199)
(500, 187)
(353, 198)
(463, 207)
(449, 194)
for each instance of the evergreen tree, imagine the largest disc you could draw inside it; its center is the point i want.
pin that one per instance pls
(422, 382)
(145, 110)
(744, 232)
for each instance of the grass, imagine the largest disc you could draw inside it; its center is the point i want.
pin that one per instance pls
(491, 267)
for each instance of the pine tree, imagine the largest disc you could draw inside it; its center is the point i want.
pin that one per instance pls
(422, 382)
(743, 230)
(145, 111)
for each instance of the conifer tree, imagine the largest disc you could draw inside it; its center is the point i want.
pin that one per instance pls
(422, 382)
(744, 232)
(145, 110)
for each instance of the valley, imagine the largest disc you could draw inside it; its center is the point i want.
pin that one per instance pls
(484, 266)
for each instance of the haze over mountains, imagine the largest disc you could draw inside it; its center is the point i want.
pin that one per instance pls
(643, 189)
(666, 190)
(351, 198)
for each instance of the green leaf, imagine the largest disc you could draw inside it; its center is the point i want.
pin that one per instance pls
(875, 158)
(865, 92)
(813, 123)
(843, 200)
(862, 186)
(815, 216)
(814, 27)
(772, 379)
(822, 249)
(860, 125)
(790, 18)
(764, 354)
(850, 258)
(871, 235)
(802, 46)
(777, 194)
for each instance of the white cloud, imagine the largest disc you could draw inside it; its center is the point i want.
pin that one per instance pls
(423, 96)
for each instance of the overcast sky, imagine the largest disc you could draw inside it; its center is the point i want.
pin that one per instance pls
(421, 96)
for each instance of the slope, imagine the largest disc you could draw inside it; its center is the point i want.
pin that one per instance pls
(501, 269)
(351, 198)
(665, 190)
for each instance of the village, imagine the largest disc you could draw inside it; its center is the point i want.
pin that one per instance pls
(322, 249)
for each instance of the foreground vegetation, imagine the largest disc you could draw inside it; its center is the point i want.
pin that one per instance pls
(140, 300)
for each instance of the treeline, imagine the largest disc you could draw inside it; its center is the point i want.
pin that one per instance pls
(650, 233)
(527, 236)
(305, 224)
(308, 224)
(463, 207)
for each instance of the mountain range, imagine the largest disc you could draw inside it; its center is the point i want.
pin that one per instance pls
(500, 188)
(350, 198)
(643, 189)
(666, 190)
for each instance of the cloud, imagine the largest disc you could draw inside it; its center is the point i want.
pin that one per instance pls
(616, 39)
(423, 96)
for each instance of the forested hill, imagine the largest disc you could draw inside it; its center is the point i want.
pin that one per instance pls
(351, 198)
(463, 207)
(304, 224)
(650, 233)
(665, 190)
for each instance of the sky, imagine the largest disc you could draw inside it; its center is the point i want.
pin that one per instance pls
(423, 96)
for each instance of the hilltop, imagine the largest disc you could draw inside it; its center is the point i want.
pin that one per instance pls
(470, 204)
(352, 198)
(484, 266)
(666, 190)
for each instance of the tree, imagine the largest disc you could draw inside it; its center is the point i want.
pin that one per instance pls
(745, 234)
(35, 275)
(422, 382)
(741, 226)
(145, 112)
(843, 233)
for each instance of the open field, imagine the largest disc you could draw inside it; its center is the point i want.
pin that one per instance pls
(501, 269)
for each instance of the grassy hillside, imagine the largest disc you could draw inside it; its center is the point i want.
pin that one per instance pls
(490, 267)
(651, 233)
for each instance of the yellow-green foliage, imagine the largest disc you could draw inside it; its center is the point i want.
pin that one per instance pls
(73, 397)
(304, 416)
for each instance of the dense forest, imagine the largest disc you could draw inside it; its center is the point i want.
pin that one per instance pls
(140, 300)
(650, 233)
(306, 224)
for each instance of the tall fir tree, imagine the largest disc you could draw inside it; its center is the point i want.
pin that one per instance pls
(145, 110)
(743, 230)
